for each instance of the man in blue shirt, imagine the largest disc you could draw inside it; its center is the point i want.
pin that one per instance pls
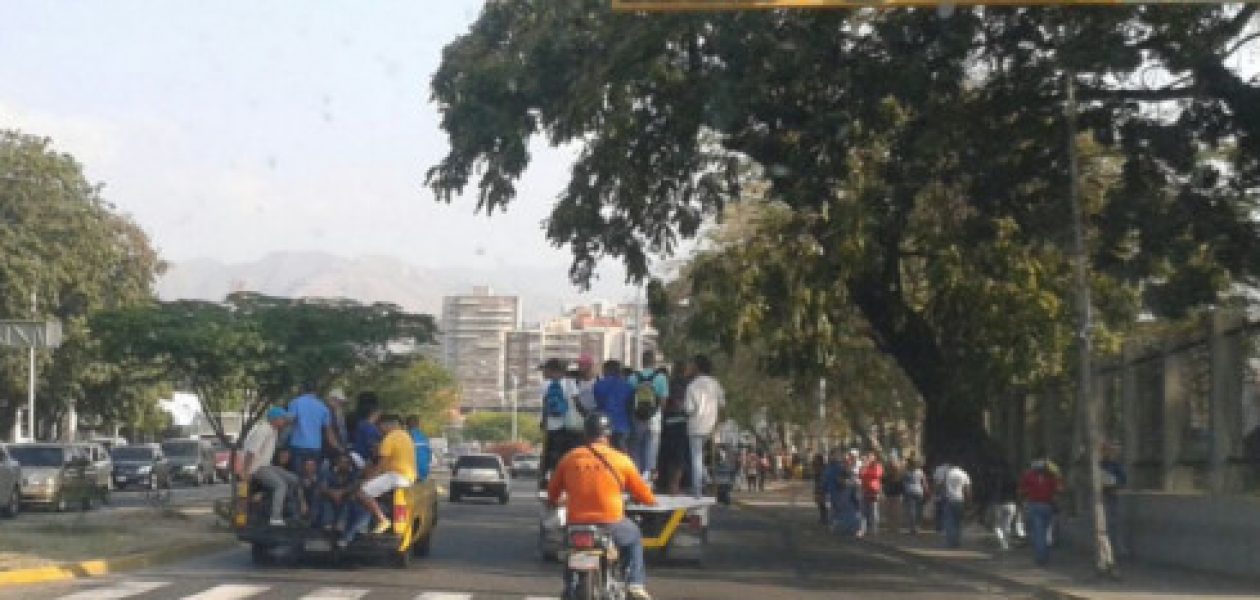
(424, 454)
(312, 427)
(613, 397)
(367, 436)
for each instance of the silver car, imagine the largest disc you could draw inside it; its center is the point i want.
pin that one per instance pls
(480, 475)
(10, 485)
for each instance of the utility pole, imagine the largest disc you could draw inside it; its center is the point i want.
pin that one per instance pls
(515, 395)
(30, 384)
(1104, 559)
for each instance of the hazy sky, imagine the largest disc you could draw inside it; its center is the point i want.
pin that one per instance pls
(235, 128)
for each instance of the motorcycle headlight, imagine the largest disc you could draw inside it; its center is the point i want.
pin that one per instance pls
(144, 469)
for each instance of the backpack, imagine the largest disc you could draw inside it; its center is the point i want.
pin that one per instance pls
(646, 403)
(555, 401)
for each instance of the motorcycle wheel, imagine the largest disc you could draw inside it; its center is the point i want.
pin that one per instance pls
(584, 587)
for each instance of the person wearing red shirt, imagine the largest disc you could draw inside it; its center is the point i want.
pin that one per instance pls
(871, 477)
(1038, 487)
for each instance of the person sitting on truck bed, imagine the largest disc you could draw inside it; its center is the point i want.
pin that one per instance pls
(256, 466)
(395, 468)
(424, 454)
(308, 488)
(336, 490)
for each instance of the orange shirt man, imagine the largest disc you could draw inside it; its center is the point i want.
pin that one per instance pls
(592, 478)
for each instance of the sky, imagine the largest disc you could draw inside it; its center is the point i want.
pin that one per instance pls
(232, 129)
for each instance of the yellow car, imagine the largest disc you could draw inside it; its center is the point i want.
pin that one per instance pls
(412, 510)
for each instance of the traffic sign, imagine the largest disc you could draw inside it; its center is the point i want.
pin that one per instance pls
(30, 334)
(717, 5)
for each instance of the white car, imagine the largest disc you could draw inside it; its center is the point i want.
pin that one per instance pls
(525, 464)
(481, 475)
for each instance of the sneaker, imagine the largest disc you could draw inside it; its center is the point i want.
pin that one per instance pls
(638, 592)
(382, 527)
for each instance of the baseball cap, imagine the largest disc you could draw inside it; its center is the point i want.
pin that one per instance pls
(276, 412)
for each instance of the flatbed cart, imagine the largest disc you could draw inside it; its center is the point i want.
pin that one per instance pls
(675, 529)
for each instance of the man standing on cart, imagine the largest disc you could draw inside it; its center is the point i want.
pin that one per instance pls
(561, 421)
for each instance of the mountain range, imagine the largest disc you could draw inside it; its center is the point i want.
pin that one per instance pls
(544, 291)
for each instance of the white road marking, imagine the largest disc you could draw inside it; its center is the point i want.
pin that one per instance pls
(444, 596)
(330, 593)
(229, 591)
(125, 589)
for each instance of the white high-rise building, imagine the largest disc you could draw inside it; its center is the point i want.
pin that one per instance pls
(474, 343)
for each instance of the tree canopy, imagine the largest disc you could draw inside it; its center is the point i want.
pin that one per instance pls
(917, 167)
(61, 240)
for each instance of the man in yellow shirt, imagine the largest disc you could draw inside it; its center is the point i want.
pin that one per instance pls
(395, 468)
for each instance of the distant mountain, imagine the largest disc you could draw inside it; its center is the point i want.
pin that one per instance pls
(544, 291)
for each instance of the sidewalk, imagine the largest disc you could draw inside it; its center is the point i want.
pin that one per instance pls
(1069, 575)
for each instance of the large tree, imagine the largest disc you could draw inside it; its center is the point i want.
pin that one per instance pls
(924, 161)
(61, 240)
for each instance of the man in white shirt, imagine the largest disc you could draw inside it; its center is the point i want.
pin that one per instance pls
(256, 465)
(956, 490)
(705, 398)
(561, 421)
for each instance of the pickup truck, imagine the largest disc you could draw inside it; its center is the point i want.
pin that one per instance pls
(412, 510)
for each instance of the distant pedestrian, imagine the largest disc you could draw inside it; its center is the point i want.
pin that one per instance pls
(561, 421)
(763, 471)
(817, 466)
(1003, 500)
(914, 490)
(752, 469)
(938, 498)
(1039, 486)
(871, 477)
(705, 399)
(1114, 479)
(955, 491)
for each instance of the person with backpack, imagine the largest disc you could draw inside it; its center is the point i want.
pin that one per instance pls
(705, 398)
(651, 387)
(561, 422)
(613, 397)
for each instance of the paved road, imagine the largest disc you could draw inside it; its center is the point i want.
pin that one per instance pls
(485, 551)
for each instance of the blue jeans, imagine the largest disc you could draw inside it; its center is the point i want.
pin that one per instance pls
(644, 445)
(1039, 515)
(358, 518)
(696, 447)
(953, 523)
(297, 456)
(629, 541)
(914, 511)
(331, 514)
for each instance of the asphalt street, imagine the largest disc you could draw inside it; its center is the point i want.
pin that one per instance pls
(485, 550)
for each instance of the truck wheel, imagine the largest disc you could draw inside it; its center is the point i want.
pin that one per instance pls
(401, 559)
(260, 554)
(422, 546)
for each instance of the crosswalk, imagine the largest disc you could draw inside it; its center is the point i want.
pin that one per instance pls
(145, 590)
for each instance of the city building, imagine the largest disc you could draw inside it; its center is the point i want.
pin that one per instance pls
(474, 332)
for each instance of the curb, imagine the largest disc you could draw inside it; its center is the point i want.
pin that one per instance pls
(94, 568)
(1044, 592)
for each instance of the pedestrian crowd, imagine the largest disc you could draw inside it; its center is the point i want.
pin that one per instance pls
(326, 469)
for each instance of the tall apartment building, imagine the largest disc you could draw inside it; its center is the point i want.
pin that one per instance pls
(474, 332)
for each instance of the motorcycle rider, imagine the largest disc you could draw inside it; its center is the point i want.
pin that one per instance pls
(593, 477)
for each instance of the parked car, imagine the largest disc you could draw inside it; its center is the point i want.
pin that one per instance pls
(142, 465)
(192, 460)
(480, 475)
(55, 475)
(100, 468)
(10, 485)
(525, 464)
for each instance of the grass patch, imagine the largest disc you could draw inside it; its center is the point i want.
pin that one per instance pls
(34, 540)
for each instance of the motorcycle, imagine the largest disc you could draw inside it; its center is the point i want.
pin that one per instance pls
(593, 567)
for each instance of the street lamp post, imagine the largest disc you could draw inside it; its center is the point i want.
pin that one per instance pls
(515, 396)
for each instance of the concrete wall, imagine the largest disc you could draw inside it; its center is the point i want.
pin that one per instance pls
(1202, 532)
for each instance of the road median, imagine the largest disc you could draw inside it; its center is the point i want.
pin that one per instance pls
(38, 548)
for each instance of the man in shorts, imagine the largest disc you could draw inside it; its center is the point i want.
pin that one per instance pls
(395, 468)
